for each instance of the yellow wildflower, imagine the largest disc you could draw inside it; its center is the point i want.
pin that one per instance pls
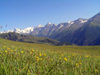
(80, 63)
(86, 56)
(77, 64)
(96, 70)
(65, 58)
(40, 54)
(22, 52)
(37, 58)
(11, 50)
(32, 50)
(6, 51)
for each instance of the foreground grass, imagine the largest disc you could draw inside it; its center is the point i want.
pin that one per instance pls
(39, 59)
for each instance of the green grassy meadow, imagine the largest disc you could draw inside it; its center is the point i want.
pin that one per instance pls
(17, 58)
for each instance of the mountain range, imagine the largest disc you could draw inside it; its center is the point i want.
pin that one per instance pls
(79, 32)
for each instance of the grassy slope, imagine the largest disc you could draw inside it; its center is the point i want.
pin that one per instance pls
(29, 39)
(17, 58)
(81, 50)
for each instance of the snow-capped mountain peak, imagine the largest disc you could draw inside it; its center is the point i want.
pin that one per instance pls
(40, 25)
(81, 20)
(49, 23)
(70, 22)
(47, 28)
(24, 31)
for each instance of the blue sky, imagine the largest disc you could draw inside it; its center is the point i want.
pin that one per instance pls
(25, 13)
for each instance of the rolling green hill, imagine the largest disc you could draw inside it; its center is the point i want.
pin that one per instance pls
(87, 50)
(28, 38)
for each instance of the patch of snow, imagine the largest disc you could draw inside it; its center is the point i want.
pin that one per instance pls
(70, 22)
(40, 25)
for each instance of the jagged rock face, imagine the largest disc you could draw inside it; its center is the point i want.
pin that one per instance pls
(52, 30)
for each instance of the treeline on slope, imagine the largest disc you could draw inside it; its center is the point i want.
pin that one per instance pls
(29, 38)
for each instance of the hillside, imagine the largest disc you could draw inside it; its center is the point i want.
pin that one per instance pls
(29, 38)
(79, 32)
(88, 33)
(21, 58)
(80, 50)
